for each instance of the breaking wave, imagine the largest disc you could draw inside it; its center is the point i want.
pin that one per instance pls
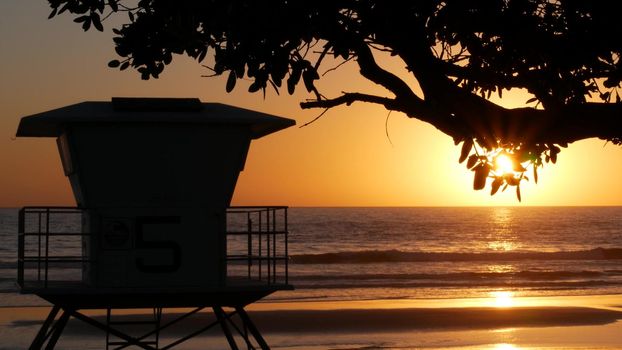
(382, 256)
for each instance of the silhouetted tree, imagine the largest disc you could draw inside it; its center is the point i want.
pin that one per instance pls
(563, 52)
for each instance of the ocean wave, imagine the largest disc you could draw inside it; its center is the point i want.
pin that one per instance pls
(8, 264)
(519, 285)
(393, 255)
(465, 276)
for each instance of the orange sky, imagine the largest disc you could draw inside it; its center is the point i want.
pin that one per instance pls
(344, 159)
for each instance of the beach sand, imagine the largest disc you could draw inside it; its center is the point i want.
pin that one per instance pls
(587, 322)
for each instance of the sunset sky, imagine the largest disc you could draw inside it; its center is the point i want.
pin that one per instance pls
(343, 159)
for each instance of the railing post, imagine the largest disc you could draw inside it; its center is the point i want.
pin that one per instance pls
(39, 248)
(259, 246)
(273, 245)
(268, 255)
(20, 247)
(47, 243)
(286, 249)
(249, 243)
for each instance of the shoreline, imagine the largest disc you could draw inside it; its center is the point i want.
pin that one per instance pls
(534, 323)
(385, 315)
(352, 321)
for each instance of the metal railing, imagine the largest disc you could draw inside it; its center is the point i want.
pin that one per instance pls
(50, 240)
(41, 233)
(257, 244)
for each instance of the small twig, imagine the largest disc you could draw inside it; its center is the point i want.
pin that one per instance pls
(125, 8)
(386, 128)
(319, 60)
(106, 16)
(375, 47)
(433, 48)
(316, 118)
(339, 65)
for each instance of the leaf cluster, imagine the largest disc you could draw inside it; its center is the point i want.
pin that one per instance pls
(89, 12)
(461, 52)
(562, 51)
(482, 163)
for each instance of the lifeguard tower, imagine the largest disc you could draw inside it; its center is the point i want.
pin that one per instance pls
(153, 227)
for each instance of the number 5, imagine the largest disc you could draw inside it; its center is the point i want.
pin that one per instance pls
(172, 246)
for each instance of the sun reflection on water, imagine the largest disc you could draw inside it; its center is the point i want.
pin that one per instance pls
(502, 298)
(502, 238)
(505, 346)
(501, 268)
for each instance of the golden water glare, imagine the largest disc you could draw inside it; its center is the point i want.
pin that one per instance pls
(502, 298)
(502, 238)
(505, 346)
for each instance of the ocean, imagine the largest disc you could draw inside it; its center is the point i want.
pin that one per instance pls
(403, 253)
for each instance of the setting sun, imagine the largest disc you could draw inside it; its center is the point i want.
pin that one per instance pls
(504, 165)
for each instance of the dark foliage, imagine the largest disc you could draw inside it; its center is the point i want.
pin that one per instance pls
(564, 52)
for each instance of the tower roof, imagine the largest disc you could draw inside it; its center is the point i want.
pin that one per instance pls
(149, 110)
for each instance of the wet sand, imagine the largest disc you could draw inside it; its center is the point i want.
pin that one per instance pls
(575, 322)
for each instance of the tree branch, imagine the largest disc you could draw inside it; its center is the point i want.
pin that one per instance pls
(348, 98)
(370, 70)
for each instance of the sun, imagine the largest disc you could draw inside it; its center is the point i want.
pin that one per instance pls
(503, 164)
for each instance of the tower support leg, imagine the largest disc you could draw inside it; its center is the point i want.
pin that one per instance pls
(252, 328)
(43, 334)
(222, 319)
(58, 330)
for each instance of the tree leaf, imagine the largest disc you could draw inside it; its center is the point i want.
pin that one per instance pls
(466, 149)
(81, 19)
(479, 179)
(202, 54)
(231, 81)
(496, 183)
(308, 76)
(168, 58)
(511, 180)
(125, 65)
(518, 193)
(97, 22)
(517, 166)
(276, 88)
(113, 5)
(535, 173)
(294, 78)
(472, 161)
(114, 64)
(86, 24)
(254, 87)
(64, 8)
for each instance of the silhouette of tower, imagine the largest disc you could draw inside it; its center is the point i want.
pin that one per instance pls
(153, 227)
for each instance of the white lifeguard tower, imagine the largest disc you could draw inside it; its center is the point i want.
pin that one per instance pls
(153, 227)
